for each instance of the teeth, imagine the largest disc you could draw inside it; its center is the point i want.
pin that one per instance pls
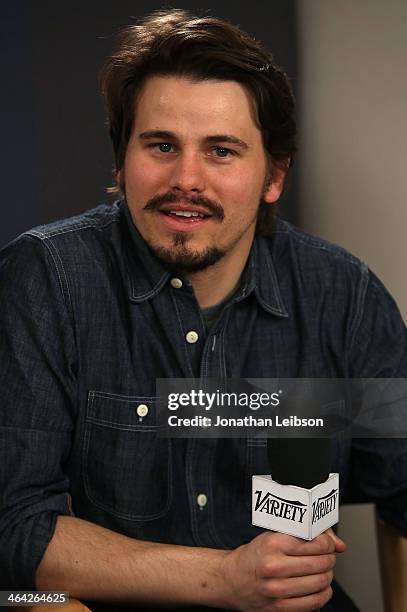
(185, 213)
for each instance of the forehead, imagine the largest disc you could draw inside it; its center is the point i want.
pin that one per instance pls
(171, 103)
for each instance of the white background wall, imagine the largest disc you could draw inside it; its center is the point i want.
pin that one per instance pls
(353, 162)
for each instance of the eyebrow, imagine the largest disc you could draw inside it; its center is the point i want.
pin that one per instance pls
(213, 139)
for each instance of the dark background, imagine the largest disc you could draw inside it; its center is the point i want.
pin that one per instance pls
(56, 155)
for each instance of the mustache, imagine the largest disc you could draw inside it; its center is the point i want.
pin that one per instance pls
(171, 198)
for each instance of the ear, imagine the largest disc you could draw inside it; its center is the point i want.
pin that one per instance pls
(274, 186)
(120, 179)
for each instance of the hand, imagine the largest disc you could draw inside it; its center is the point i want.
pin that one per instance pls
(280, 572)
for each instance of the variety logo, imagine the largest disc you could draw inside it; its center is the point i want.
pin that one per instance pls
(324, 505)
(280, 507)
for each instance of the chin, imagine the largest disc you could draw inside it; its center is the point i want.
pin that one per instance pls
(183, 259)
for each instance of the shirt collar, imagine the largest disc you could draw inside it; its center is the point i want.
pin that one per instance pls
(261, 279)
(147, 276)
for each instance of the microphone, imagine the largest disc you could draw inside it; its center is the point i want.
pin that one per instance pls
(302, 462)
(300, 496)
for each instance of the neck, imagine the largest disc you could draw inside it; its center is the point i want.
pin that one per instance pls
(215, 283)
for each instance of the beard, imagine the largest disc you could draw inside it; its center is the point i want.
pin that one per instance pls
(183, 260)
(180, 258)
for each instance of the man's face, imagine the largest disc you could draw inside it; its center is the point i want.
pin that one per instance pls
(195, 171)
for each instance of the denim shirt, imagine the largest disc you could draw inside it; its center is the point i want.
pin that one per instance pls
(89, 319)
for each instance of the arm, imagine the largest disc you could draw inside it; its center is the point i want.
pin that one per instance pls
(97, 564)
(37, 403)
(94, 563)
(379, 466)
(379, 350)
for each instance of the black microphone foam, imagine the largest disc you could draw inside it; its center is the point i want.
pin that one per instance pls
(302, 462)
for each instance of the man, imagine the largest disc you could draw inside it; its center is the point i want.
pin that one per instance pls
(188, 275)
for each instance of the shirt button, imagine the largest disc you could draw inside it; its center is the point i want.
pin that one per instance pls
(202, 500)
(176, 283)
(142, 410)
(191, 337)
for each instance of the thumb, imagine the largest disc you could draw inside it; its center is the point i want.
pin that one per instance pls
(340, 545)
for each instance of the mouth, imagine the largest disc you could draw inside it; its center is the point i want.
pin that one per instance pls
(180, 217)
(185, 213)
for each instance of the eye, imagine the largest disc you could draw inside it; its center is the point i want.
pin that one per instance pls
(162, 147)
(222, 152)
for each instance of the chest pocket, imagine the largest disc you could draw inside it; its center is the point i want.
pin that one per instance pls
(126, 465)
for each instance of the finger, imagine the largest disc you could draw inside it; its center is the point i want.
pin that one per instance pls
(284, 588)
(321, 545)
(340, 545)
(309, 603)
(281, 566)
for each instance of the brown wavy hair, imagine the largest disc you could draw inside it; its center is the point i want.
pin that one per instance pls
(177, 43)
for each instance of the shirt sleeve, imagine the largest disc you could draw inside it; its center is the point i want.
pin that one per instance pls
(379, 350)
(37, 400)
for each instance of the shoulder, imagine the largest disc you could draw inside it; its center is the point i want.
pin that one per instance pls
(322, 274)
(313, 262)
(63, 252)
(317, 277)
(94, 221)
(287, 236)
(67, 238)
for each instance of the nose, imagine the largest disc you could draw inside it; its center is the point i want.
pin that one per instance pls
(187, 174)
